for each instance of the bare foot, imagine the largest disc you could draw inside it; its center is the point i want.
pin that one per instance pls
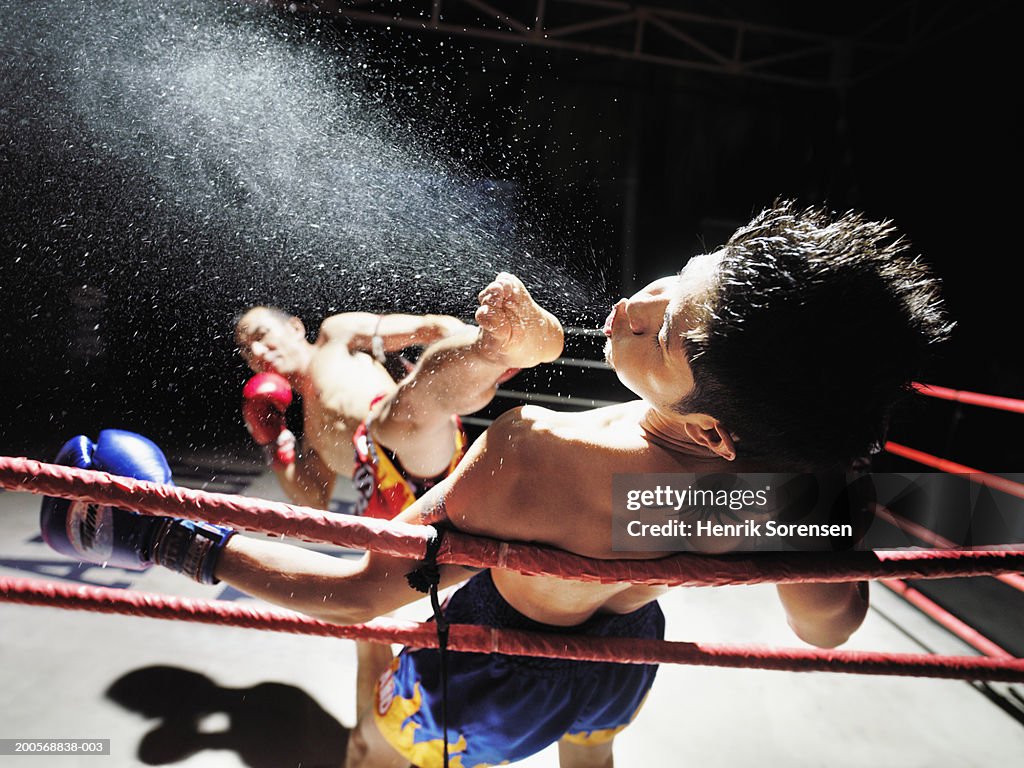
(515, 330)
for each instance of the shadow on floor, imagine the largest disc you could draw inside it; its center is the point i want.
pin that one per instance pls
(270, 725)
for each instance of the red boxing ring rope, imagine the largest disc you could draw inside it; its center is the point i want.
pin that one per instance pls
(471, 638)
(970, 398)
(933, 539)
(937, 613)
(945, 465)
(409, 541)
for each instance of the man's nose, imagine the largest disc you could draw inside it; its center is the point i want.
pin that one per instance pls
(645, 311)
(258, 349)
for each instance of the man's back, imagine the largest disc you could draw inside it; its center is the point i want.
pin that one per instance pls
(560, 494)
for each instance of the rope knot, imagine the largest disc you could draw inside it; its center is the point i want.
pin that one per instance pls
(428, 575)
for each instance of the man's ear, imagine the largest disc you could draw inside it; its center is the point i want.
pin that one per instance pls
(296, 325)
(709, 432)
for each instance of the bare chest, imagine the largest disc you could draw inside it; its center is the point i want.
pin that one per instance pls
(336, 401)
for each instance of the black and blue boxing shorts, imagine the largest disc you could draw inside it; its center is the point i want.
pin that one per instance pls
(505, 708)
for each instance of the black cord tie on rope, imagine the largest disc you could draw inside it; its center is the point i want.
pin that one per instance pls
(428, 574)
(427, 578)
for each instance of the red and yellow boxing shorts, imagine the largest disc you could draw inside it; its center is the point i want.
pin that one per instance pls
(383, 486)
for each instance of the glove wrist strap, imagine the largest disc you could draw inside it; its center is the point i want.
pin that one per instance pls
(190, 548)
(377, 343)
(280, 453)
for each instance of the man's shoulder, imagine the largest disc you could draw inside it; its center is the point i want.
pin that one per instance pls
(343, 326)
(333, 329)
(328, 355)
(345, 380)
(533, 425)
(535, 432)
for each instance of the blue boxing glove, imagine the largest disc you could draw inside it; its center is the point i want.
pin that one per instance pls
(107, 535)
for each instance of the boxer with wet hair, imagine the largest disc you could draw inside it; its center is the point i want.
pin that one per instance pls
(831, 318)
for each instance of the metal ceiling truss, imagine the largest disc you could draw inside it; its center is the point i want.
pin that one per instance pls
(667, 36)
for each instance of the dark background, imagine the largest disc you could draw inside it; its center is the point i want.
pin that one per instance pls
(637, 165)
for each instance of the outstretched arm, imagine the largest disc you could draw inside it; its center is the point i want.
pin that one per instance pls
(324, 587)
(396, 332)
(825, 615)
(349, 592)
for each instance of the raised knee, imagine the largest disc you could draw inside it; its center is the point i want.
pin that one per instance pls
(357, 750)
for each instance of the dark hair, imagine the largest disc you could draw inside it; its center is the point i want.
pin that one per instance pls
(275, 312)
(817, 326)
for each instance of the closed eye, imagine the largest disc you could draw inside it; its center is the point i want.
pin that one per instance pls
(667, 326)
(663, 329)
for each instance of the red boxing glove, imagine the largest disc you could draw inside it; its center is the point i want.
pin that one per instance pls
(265, 399)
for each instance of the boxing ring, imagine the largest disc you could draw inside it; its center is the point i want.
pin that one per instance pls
(461, 549)
(992, 663)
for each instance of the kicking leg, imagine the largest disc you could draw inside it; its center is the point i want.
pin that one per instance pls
(571, 755)
(367, 747)
(460, 374)
(372, 659)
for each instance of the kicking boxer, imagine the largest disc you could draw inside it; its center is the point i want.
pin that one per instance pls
(404, 437)
(341, 378)
(786, 348)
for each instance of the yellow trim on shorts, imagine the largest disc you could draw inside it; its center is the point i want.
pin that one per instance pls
(602, 735)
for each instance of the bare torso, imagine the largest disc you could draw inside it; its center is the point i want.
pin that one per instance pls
(562, 496)
(336, 398)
